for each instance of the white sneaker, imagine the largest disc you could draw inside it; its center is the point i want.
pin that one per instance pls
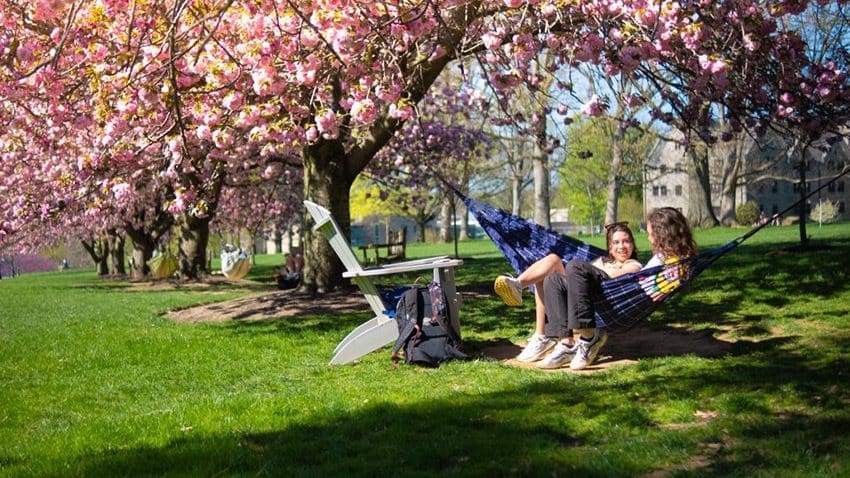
(588, 350)
(560, 356)
(509, 290)
(537, 347)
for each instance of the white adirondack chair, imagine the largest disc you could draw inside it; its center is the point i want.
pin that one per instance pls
(380, 330)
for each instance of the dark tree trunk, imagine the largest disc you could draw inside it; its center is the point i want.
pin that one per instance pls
(194, 235)
(540, 164)
(115, 244)
(463, 214)
(613, 193)
(97, 250)
(327, 183)
(446, 226)
(733, 162)
(801, 209)
(700, 210)
(143, 247)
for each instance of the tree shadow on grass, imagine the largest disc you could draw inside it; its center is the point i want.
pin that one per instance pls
(539, 428)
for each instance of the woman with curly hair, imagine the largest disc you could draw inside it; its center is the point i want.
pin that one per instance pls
(552, 339)
(569, 297)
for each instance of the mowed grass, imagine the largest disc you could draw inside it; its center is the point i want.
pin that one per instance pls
(95, 382)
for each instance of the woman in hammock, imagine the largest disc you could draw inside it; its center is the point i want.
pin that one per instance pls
(570, 298)
(622, 259)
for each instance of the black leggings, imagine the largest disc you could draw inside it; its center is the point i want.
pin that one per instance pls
(569, 298)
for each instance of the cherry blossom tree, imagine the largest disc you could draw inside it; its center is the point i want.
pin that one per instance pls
(189, 93)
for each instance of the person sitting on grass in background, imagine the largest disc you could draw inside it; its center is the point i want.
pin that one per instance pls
(549, 335)
(570, 298)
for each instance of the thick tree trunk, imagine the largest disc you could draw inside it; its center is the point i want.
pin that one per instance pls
(541, 188)
(613, 194)
(733, 159)
(143, 247)
(700, 211)
(420, 225)
(462, 213)
(446, 229)
(327, 183)
(98, 251)
(194, 235)
(115, 244)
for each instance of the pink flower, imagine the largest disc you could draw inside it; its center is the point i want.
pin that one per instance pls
(327, 124)
(364, 111)
(24, 54)
(311, 134)
(592, 107)
(749, 43)
(401, 113)
(513, 3)
(233, 101)
(121, 191)
(491, 40)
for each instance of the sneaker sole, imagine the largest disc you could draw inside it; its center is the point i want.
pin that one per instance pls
(506, 292)
(594, 352)
(552, 366)
(538, 356)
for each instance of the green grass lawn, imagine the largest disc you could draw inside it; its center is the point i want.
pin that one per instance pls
(95, 382)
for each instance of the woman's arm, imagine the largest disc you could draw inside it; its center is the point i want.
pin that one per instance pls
(628, 267)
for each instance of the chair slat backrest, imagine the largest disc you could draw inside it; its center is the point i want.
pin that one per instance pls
(326, 224)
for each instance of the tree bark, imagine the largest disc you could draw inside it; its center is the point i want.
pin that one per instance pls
(115, 245)
(541, 186)
(613, 194)
(733, 159)
(194, 235)
(700, 211)
(143, 246)
(446, 229)
(516, 195)
(801, 209)
(97, 250)
(327, 183)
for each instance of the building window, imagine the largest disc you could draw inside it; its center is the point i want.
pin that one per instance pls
(841, 207)
(663, 168)
(775, 187)
(808, 187)
(655, 190)
(775, 209)
(841, 186)
(678, 190)
(663, 190)
(830, 187)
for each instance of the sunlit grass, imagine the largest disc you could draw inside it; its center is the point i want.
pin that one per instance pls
(97, 383)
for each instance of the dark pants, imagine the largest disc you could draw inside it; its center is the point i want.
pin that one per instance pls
(569, 298)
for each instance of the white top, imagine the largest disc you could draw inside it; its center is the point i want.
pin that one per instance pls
(655, 260)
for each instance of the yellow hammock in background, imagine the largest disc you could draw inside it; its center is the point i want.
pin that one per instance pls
(163, 266)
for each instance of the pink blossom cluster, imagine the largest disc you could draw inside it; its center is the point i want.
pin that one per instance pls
(123, 114)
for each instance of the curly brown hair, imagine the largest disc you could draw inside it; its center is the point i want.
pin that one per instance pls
(673, 236)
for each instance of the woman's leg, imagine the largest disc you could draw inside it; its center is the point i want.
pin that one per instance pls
(534, 275)
(583, 285)
(556, 304)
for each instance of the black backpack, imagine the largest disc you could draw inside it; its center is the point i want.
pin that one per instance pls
(425, 332)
